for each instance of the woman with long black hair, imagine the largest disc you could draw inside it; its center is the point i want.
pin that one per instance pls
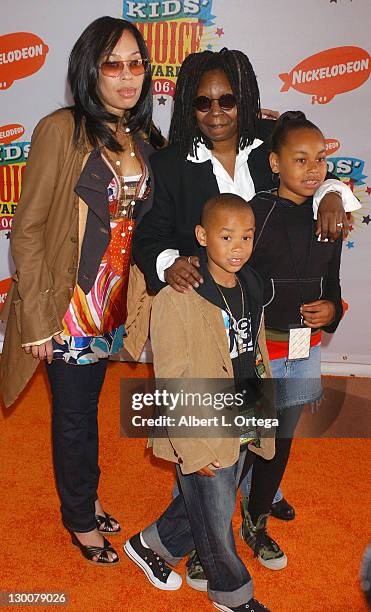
(87, 185)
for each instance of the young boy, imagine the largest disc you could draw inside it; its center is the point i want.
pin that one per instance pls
(213, 331)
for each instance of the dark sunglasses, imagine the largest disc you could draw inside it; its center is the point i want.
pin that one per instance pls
(115, 69)
(203, 103)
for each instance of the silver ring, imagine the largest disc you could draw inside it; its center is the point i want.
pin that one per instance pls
(189, 259)
(340, 225)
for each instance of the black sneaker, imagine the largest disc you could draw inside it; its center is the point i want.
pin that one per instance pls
(155, 568)
(253, 605)
(195, 576)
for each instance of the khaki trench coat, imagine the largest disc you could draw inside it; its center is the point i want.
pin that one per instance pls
(46, 240)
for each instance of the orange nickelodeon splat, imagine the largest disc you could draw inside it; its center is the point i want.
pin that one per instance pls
(11, 132)
(21, 54)
(4, 288)
(329, 73)
(345, 306)
(332, 145)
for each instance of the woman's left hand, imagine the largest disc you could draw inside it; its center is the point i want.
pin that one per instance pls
(318, 314)
(332, 219)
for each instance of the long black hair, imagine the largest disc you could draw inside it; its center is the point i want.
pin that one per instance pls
(286, 123)
(96, 41)
(184, 130)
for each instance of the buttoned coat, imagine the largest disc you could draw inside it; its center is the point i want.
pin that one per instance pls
(60, 233)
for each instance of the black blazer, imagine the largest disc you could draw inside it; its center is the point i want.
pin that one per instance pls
(181, 189)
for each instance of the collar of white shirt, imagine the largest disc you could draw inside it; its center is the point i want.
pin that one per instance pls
(205, 154)
(242, 183)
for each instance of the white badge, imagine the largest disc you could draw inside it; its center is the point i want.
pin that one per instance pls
(299, 342)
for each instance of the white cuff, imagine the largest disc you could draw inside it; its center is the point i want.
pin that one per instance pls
(350, 202)
(164, 261)
(40, 342)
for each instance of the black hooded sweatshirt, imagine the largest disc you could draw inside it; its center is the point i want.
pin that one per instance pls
(295, 267)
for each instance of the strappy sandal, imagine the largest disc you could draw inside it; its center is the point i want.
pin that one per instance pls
(89, 552)
(106, 524)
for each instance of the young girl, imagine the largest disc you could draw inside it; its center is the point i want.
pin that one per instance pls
(301, 293)
(87, 177)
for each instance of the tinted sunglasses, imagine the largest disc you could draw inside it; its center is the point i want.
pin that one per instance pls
(115, 68)
(203, 103)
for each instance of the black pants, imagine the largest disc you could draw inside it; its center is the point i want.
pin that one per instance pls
(75, 393)
(267, 475)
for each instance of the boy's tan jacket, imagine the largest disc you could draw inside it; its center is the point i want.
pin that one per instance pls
(198, 349)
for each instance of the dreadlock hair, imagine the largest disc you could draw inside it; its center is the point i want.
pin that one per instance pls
(184, 130)
(98, 40)
(286, 123)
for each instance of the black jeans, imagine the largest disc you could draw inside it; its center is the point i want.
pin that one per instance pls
(75, 393)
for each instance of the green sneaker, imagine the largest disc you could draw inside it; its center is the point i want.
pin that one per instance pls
(265, 548)
(195, 577)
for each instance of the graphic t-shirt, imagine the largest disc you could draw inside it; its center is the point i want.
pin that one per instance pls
(237, 325)
(238, 330)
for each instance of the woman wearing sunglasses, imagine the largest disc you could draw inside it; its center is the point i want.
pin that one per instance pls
(216, 145)
(88, 183)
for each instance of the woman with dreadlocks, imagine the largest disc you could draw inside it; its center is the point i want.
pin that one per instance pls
(216, 145)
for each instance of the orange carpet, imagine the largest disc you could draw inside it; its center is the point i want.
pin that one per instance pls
(326, 480)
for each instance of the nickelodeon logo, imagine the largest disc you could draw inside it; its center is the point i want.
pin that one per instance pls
(22, 54)
(4, 288)
(10, 132)
(332, 145)
(329, 73)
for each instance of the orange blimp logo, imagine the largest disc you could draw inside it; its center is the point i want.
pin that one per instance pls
(11, 132)
(329, 73)
(21, 54)
(332, 145)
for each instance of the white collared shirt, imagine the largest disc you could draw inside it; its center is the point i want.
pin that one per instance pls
(242, 185)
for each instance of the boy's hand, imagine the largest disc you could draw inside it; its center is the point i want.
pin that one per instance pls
(206, 471)
(332, 219)
(183, 274)
(318, 314)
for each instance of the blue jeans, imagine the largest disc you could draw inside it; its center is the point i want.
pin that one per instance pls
(201, 517)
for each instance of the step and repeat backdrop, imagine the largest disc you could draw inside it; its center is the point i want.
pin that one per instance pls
(309, 55)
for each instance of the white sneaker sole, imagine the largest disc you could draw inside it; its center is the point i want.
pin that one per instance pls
(144, 567)
(221, 607)
(197, 585)
(273, 564)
